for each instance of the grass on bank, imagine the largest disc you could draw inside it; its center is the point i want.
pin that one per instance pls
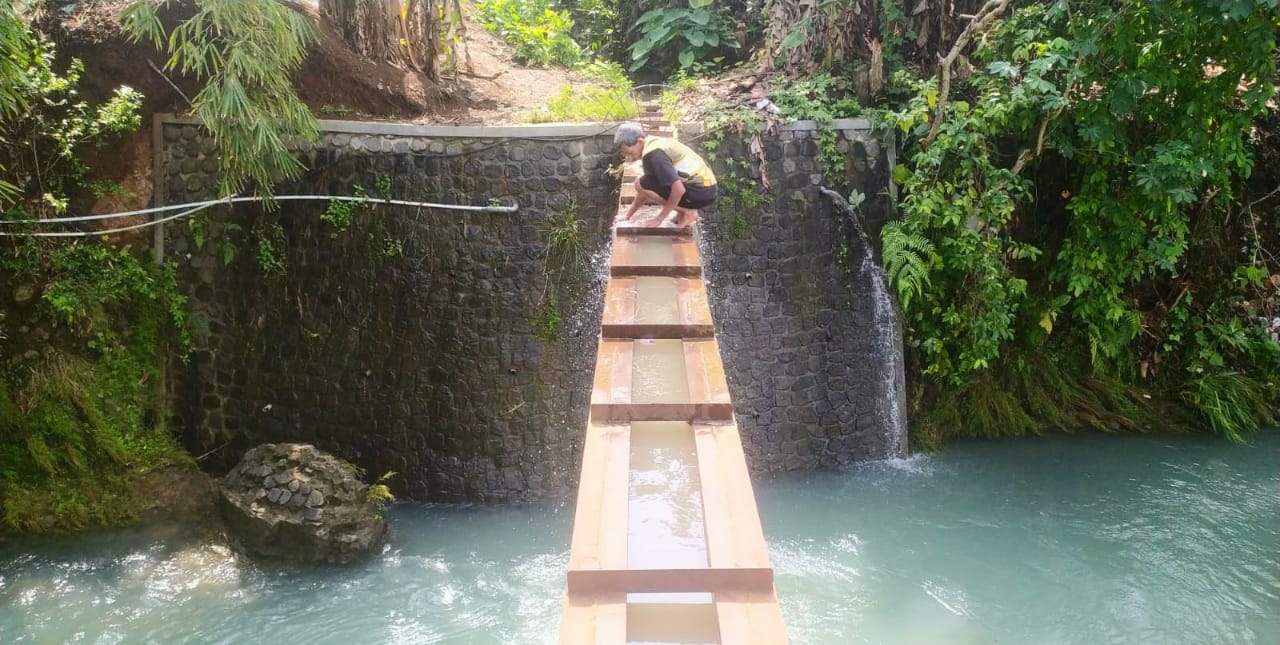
(1052, 392)
(609, 99)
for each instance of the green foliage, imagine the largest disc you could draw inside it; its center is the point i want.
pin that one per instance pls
(271, 246)
(546, 324)
(334, 110)
(82, 410)
(339, 214)
(246, 50)
(15, 40)
(382, 186)
(906, 256)
(392, 249)
(611, 102)
(86, 282)
(564, 261)
(38, 145)
(607, 73)
(379, 494)
(692, 33)
(82, 423)
(1034, 393)
(821, 98)
(1145, 111)
(539, 34)
(565, 239)
(676, 92)
(1230, 402)
(741, 198)
(594, 24)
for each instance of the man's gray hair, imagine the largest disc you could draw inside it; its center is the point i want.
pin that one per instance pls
(628, 134)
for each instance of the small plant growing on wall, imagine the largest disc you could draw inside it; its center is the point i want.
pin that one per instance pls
(562, 262)
(546, 325)
(271, 245)
(565, 246)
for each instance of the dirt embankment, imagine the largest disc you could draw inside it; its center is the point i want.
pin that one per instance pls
(333, 81)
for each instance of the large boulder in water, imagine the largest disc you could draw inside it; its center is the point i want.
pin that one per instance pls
(293, 502)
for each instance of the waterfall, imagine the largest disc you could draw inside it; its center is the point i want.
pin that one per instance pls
(888, 341)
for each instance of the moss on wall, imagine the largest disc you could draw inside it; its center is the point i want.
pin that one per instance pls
(81, 384)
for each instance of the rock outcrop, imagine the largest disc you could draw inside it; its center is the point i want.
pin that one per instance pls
(292, 502)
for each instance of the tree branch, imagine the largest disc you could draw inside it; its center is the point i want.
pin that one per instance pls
(169, 81)
(1028, 154)
(980, 23)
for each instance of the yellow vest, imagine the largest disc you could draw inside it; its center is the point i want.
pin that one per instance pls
(692, 169)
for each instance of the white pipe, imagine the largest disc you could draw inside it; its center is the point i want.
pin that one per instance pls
(199, 206)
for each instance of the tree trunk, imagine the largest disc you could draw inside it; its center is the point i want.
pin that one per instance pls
(401, 32)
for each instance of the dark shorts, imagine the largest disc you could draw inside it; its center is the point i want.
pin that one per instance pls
(694, 196)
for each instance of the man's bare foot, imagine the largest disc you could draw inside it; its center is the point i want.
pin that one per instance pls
(686, 219)
(654, 222)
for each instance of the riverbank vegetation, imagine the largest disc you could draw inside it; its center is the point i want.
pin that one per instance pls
(82, 373)
(1085, 226)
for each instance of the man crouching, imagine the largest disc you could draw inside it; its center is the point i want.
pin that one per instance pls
(673, 176)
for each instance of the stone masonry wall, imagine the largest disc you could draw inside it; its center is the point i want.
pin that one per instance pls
(409, 341)
(812, 351)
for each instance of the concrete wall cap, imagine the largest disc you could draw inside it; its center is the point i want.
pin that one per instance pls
(415, 130)
(839, 124)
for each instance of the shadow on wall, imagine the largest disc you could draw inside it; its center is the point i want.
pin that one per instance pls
(427, 342)
(809, 337)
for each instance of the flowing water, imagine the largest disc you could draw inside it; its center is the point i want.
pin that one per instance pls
(1087, 539)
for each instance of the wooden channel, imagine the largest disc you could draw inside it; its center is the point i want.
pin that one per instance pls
(738, 577)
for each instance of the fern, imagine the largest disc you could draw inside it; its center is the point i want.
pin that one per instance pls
(906, 259)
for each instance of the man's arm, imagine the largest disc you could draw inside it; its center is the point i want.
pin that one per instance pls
(640, 200)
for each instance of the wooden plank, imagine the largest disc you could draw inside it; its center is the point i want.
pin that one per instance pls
(600, 520)
(692, 305)
(594, 581)
(729, 513)
(624, 228)
(691, 412)
(612, 380)
(750, 618)
(705, 372)
(686, 252)
(656, 330)
(623, 252)
(620, 302)
(672, 622)
(683, 263)
(594, 620)
(620, 269)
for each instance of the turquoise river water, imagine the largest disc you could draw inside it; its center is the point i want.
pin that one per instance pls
(1085, 539)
